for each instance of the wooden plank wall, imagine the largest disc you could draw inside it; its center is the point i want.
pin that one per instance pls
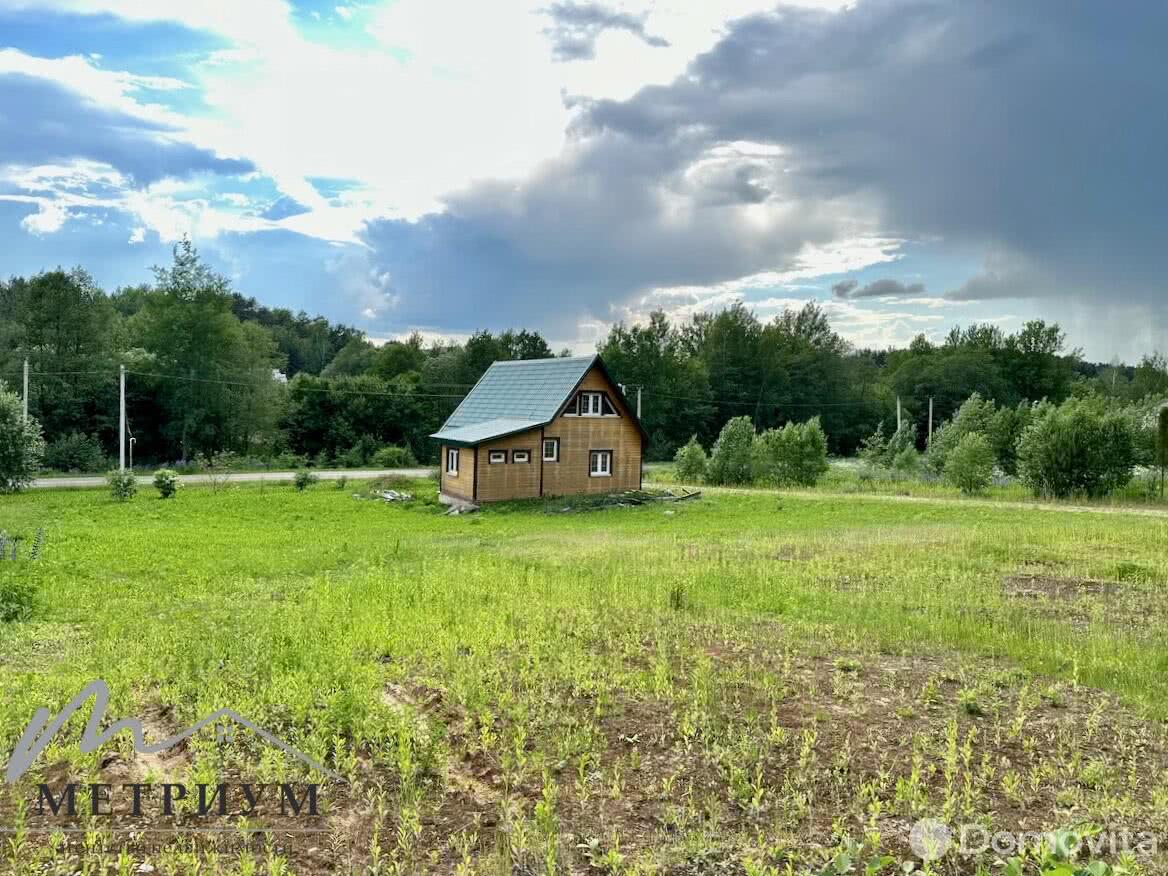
(579, 435)
(461, 486)
(510, 480)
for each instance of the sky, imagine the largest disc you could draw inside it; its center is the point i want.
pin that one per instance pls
(562, 165)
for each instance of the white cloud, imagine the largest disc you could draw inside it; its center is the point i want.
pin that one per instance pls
(48, 219)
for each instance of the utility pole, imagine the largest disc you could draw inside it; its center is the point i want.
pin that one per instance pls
(898, 413)
(122, 419)
(638, 402)
(26, 389)
(930, 419)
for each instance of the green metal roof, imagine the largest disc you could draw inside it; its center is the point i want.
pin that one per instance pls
(513, 396)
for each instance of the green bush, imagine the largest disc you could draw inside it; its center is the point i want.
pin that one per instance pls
(304, 479)
(1079, 448)
(970, 465)
(976, 414)
(123, 485)
(1005, 433)
(75, 452)
(166, 482)
(795, 455)
(17, 598)
(907, 464)
(881, 452)
(732, 459)
(21, 444)
(690, 461)
(394, 457)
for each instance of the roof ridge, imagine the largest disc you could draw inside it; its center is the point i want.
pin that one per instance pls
(543, 359)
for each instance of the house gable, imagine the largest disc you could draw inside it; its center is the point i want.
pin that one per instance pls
(503, 424)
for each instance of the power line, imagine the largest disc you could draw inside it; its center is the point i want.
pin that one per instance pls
(326, 389)
(415, 393)
(755, 404)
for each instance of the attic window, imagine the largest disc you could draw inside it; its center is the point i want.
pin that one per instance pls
(595, 404)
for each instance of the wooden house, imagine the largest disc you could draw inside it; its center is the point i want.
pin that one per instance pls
(541, 427)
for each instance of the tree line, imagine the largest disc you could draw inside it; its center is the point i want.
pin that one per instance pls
(210, 370)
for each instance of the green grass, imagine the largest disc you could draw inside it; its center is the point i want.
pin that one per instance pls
(848, 477)
(515, 651)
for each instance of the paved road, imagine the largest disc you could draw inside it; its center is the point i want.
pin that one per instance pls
(240, 477)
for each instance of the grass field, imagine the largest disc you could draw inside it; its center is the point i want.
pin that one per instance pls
(750, 682)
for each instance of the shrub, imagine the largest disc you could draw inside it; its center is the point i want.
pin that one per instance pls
(690, 461)
(731, 461)
(1006, 431)
(876, 450)
(75, 452)
(795, 455)
(392, 456)
(21, 444)
(907, 464)
(970, 465)
(1081, 447)
(304, 479)
(976, 414)
(17, 597)
(166, 482)
(123, 485)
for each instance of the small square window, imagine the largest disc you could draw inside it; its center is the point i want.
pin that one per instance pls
(551, 449)
(497, 456)
(521, 456)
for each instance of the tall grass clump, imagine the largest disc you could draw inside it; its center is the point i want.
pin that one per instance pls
(166, 482)
(122, 484)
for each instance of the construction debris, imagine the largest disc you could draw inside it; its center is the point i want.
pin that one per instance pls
(640, 497)
(628, 499)
(395, 496)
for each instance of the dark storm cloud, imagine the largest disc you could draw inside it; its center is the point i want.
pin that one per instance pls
(1026, 128)
(1030, 132)
(852, 290)
(575, 28)
(42, 122)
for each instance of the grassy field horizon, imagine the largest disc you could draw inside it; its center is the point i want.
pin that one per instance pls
(742, 683)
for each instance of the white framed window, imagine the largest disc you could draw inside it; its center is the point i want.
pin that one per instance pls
(452, 460)
(551, 449)
(600, 464)
(521, 456)
(495, 457)
(592, 404)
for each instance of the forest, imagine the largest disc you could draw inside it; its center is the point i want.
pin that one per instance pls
(212, 371)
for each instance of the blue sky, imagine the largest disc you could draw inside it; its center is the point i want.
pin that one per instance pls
(447, 166)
